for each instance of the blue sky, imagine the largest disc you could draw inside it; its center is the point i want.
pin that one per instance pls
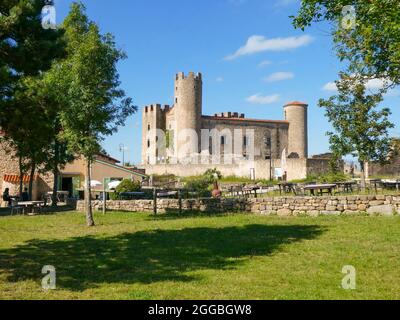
(252, 59)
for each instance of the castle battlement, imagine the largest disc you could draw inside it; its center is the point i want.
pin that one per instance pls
(157, 107)
(191, 75)
(230, 115)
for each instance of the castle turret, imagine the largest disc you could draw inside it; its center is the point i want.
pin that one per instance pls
(188, 105)
(296, 114)
(153, 119)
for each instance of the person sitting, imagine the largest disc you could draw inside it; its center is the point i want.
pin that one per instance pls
(25, 195)
(6, 196)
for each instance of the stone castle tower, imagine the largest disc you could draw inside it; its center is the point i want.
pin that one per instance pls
(296, 115)
(188, 106)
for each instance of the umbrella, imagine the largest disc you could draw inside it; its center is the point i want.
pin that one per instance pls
(114, 184)
(95, 183)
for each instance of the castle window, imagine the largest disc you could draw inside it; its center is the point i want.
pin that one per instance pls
(245, 141)
(176, 100)
(148, 127)
(148, 143)
(222, 140)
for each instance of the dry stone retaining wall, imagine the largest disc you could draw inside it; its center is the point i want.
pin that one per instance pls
(282, 206)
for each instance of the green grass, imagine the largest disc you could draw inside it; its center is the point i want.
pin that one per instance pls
(133, 256)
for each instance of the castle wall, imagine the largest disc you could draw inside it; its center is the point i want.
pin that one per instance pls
(276, 131)
(9, 166)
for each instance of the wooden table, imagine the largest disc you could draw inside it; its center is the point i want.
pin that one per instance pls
(320, 188)
(391, 185)
(29, 206)
(346, 186)
(286, 187)
(250, 189)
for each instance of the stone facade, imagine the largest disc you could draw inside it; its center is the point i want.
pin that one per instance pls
(224, 135)
(281, 206)
(9, 166)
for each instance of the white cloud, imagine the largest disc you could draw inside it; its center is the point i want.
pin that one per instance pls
(260, 99)
(373, 84)
(279, 76)
(220, 79)
(264, 63)
(330, 86)
(256, 44)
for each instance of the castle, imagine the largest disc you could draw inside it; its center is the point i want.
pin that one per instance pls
(183, 141)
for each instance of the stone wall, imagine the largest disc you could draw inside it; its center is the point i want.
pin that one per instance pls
(282, 206)
(9, 166)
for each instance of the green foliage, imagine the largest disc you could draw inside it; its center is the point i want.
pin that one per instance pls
(212, 175)
(373, 43)
(332, 178)
(361, 129)
(96, 104)
(201, 185)
(128, 185)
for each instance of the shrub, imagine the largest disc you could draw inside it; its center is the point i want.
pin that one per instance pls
(128, 186)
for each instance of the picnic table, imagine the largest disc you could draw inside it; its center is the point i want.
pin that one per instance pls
(376, 183)
(250, 189)
(391, 184)
(347, 186)
(320, 188)
(30, 206)
(287, 187)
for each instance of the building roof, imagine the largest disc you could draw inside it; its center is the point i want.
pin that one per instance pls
(106, 156)
(127, 170)
(245, 120)
(296, 103)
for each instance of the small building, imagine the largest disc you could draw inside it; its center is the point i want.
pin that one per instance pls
(72, 178)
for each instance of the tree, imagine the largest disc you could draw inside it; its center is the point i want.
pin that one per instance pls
(26, 49)
(371, 44)
(361, 128)
(96, 105)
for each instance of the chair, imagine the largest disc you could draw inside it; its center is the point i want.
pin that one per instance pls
(16, 208)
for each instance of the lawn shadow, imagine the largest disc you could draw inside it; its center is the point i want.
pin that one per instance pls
(173, 214)
(48, 210)
(147, 256)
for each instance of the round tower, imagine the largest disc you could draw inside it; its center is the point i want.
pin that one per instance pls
(188, 105)
(296, 114)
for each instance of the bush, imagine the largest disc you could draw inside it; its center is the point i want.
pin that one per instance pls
(128, 186)
(201, 185)
(332, 178)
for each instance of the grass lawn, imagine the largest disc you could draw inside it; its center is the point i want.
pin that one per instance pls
(133, 256)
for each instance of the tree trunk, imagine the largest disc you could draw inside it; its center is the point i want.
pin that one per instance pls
(21, 176)
(31, 178)
(88, 199)
(54, 198)
(363, 183)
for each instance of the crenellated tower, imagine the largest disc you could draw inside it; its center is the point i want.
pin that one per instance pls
(153, 118)
(188, 106)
